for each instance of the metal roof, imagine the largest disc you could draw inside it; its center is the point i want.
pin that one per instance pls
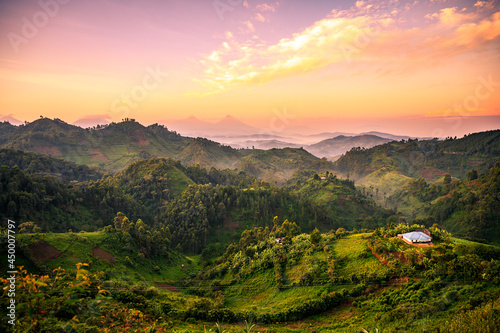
(418, 236)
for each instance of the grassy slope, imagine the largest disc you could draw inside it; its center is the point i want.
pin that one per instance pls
(280, 164)
(77, 247)
(345, 204)
(259, 288)
(429, 159)
(257, 292)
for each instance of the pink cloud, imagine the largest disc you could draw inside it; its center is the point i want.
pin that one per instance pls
(265, 7)
(368, 35)
(259, 17)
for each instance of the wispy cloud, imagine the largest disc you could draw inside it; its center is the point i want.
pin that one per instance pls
(268, 7)
(370, 32)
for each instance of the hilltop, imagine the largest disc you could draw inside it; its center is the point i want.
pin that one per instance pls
(340, 144)
(115, 146)
(280, 164)
(390, 166)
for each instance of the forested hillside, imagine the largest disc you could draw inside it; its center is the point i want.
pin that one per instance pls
(428, 159)
(280, 164)
(41, 164)
(115, 146)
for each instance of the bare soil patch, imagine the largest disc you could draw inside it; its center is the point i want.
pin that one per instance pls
(98, 156)
(43, 251)
(103, 255)
(431, 173)
(230, 224)
(140, 139)
(167, 287)
(379, 257)
(49, 150)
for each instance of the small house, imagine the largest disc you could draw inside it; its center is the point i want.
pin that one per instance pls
(416, 237)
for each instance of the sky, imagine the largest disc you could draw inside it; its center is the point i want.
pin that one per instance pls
(407, 67)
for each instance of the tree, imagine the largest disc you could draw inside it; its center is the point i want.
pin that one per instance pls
(119, 221)
(447, 179)
(472, 174)
(315, 236)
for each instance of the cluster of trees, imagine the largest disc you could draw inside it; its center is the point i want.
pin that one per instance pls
(470, 209)
(62, 170)
(29, 197)
(160, 191)
(151, 241)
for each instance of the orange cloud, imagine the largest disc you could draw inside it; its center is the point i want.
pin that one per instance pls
(268, 7)
(372, 37)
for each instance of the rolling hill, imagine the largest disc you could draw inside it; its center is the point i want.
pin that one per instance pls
(332, 282)
(389, 166)
(47, 165)
(341, 144)
(115, 146)
(280, 164)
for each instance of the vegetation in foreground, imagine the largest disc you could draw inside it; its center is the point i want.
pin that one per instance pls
(338, 281)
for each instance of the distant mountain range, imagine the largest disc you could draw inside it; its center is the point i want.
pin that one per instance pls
(8, 118)
(341, 144)
(235, 133)
(228, 126)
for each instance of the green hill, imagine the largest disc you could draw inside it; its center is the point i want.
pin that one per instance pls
(333, 282)
(6, 127)
(471, 208)
(46, 165)
(428, 159)
(341, 202)
(208, 154)
(115, 146)
(340, 144)
(152, 182)
(383, 170)
(280, 164)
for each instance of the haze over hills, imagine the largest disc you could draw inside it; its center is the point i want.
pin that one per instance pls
(341, 144)
(228, 126)
(230, 130)
(10, 119)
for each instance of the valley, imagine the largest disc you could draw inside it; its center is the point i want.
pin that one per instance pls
(188, 235)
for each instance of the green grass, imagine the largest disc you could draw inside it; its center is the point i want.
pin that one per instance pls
(351, 248)
(260, 291)
(77, 247)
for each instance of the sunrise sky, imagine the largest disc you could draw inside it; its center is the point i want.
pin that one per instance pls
(400, 66)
